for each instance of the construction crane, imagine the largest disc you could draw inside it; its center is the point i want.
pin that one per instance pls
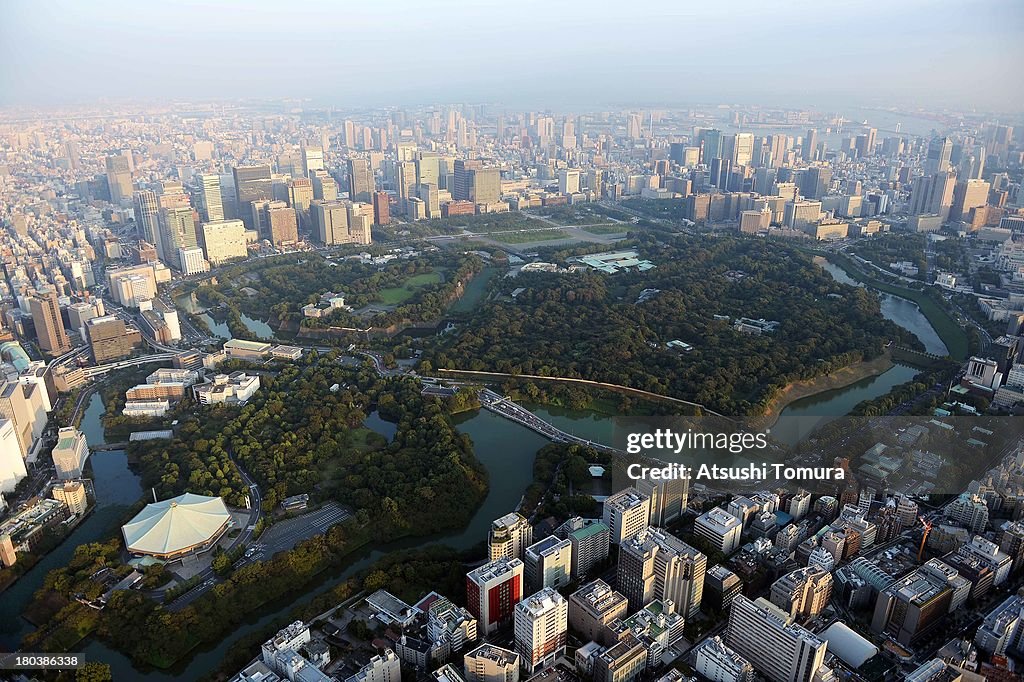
(924, 537)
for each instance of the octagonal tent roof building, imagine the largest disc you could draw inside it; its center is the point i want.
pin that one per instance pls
(172, 528)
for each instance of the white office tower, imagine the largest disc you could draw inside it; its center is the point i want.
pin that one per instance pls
(717, 662)
(767, 637)
(626, 513)
(12, 457)
(548, 563)
(35, 374)
(719, 529)
(658, 565)
(669, 498)
(70, 453)
(224, 240)
(382, 668)
(191, 261)
(542, 621)
(509, 537)
(490, 663)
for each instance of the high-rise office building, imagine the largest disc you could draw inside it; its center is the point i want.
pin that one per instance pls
(119, 178)
(211, 204)
(381, 208)
(224, 240)
(428, 194)
(12, 457)
(939, 151)
(743, 149)
(809, 147)
(803, 593)
(716, 661)
(252, 183)
(541, 626)
(967, 195)
(360, 180)
(147, 216)
(110, 338)
(711, 141)
(70, 453)
(283, 227)
(324, 186)
(177, 231)
(669, 498)
(657, 565)
(312, 159)
(45, 310)
(933, 194)
(914, 605)
(492, 592)
(300, 194)
(568, 181)
(777, 648)
(626, 513)
(509, 537)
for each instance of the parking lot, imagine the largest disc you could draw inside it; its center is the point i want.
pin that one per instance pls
(288, 533)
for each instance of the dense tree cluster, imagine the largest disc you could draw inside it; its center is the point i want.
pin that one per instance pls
(588, 325)
(278, 291)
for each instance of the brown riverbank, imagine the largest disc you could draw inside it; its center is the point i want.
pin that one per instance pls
(838, 379)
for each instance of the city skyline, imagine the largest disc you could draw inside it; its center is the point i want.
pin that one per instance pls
(862, 53)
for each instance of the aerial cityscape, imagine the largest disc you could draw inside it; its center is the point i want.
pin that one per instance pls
(505, 343)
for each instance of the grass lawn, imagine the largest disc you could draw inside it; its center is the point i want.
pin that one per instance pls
(608, 228)
(396, 295)
(529, 237)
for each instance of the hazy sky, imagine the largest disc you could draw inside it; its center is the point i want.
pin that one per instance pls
(531, 52)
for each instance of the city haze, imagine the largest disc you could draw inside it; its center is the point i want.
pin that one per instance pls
(520, 54)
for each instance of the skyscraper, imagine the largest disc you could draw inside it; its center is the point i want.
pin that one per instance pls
(211, 205)
(809, 149)
(119, 178)
(177, 230)
(53, 340)
(252, 183)
(360, 180)
(381, 208)
(224, 240)
(283, 228)
(939, 151)
(933, 194)
(712, 141)
(147, 216)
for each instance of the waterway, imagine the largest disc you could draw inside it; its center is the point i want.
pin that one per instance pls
(505, 449)
(117, 489)
(902, 311)
(189, 304)
(802, 416)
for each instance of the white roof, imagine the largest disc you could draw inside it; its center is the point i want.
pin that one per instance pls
(846, 644)
(173, 525)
